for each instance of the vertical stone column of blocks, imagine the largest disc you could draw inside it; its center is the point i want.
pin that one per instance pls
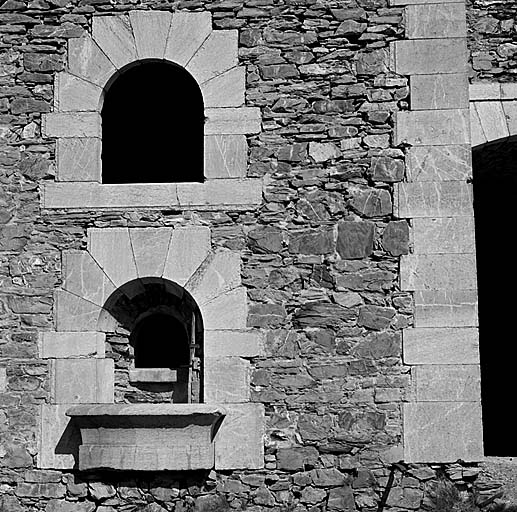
(442, 421)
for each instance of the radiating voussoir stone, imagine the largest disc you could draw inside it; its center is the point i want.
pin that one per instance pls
(355, 239)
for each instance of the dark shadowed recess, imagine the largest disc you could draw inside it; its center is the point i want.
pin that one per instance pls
(495, 208)
(152, 126)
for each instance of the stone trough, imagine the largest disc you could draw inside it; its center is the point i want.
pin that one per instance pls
(147, 437)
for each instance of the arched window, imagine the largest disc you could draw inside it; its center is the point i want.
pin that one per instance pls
(152, 126)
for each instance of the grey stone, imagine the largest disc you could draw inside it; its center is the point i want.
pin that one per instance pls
(436, 21)
(40, 490)
(71, 125)
(150, 247)
(355, 239)
(446, 308)
(443, 235)
(439, 163)
(266, 239)
(73, 313)
(227, 380)
(375, 317)
(71, 344)
(395, 238)
(314, 241)
(114, 36)
(72, 93)
(225, 90)
(101, 491)
(296, 458)
(150, 30)
(492, 118)
(210, 503)
(342, 499)
(86, 60)
(225, 156)
(485, 91)
(371, 202)
(55, 443)
(429, 92)
(227, 311)
(386, 169)
(323, 152)
(224, 343)
(373, 63)
(70, 506)
(232, 121)
(78, 159)
(379, 346)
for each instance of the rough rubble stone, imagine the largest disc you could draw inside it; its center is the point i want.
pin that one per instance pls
(355, 239)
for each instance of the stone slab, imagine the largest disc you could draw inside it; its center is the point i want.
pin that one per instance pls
(439, 163)
(438, 272)
(477, 135)
(72, 93)
(433, 21)
(227, 311)
(150, 247)
(446, 383)
(429, 92)
(230, 193)
(492, 118)
(86, 60)
(446, 308)
(226, 380)
(3, 379)
(226, 343)
(430, 56)
(151, 30)
(187, 33)
(226, 156)
(510, 112)
(78, 159)
(114, 36)
(239, 443)
(432, 127)
(442, 432)
(508, 91)
(154, 375)
(456, 346)
(232, 121)
(480, 91)
(443, 235)
(71, 124)
(73, 313)
(225, 90)
(433, 199)
(57, 440)
(420, 2)
(215, 56)
(61, 345)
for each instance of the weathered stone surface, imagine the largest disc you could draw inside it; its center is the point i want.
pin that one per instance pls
(438, 272)
(150, 247)
(446, 308)
(75, 94)
(448, 91)
(355, 239)
(436, 21)
(388, 170)
(296, 458)
(510, 112)
(73, 313)
(322, 314)
(71, 124)
(208, 503)
(82, 381)
(379, 346)
(40, 490)
(480, 91)
(114, 36)
(443, 235)
(227, 311)
(439, 163)
(315, 241)
(150, 30)
(370, 202)
(432, 127)
(476, 130)
(492, 118)
(433, 199)
(188, 248)
(266, 239)
(225, 343)
(227, 380)
(342, 499)
(446, 383)
(373, 63)
(86, 60)
(3, 379)
(323, 152)
(232, 121)
(56, 439)
(225, 156)
(78, 159)
(441, 346)
(71, 344)
(408, 2)
(430, 56)
(442, 432)
(225, 90)
(70, 506)
(395, 238)
(239, 441)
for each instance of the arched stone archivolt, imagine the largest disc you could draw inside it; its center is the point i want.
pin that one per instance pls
(186, 39)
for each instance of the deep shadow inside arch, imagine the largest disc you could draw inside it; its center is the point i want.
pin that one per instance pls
(152, 126)
(495, 206)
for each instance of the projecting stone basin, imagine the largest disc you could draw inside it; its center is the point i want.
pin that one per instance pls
(147, 437)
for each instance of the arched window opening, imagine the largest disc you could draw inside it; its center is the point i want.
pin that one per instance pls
(156, 331)
(152, 126)
(495, 197)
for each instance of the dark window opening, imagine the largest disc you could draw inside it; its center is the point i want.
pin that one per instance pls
(152, 126)
(495, 197)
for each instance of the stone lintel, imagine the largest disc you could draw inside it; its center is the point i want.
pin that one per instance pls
(438, 20)
(62, 345)
(443, 235)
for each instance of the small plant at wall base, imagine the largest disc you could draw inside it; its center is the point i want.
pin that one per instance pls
(445, 497)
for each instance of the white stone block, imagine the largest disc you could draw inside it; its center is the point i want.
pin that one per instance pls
(419, 2)
(429, 56)
(236, 121)
(73, 313)
(82, 381)
(111, 249)
(150, 247)
(226, 90)
(188, 31)
(493, 120)
(235, 192)
(225, 156)
(215, 56)
(438, 272)
(72, 93)
(227, 380)
(446, 308)
(225, 343)
(188, 248)
(71, 124)
(114, 36)
(479, 91)
(83, 277)
(3, 379)
(433, 199)
(510, 112)
(508, 91)
(430, 92)
(432, 127)
(442, 432)
(228, 311)
(456, 346)
(447, 383)
(78, 159)
(61, 345)
(476, 130)
(87, 60)
(57, 439)
(239, 442)
(219, 273)
(435, 21)
(151, 29)
(439, 163)
(443, 235)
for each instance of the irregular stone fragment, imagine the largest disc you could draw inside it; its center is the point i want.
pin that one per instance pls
(323, 314)
(395, 238)
(379, 346)
(296, 458)
(323, 152)
(267, 239)
(373, 63)
(313, 241)
(371, 202)
(294, 153)
(355, 239)
(388, 170)
(342, 499)
(375, 317)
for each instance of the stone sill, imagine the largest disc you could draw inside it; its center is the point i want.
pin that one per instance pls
(234, 193)
(152, 375)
